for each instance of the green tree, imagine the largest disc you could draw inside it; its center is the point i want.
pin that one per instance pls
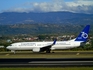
(91, 43)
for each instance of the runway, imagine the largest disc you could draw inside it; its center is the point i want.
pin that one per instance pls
(46, 62)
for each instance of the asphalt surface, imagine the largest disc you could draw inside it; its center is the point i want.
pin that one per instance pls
(46, 62)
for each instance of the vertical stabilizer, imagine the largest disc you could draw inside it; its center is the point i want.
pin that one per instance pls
(83, 36)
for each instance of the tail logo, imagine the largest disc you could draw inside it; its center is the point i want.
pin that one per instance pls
(84, 35)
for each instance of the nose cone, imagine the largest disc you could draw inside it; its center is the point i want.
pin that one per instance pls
(8, 47)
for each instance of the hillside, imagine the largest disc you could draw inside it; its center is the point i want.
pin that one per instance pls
(35, 29)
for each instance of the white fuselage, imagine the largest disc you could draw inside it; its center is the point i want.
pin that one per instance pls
(47, 46)
(32, 45)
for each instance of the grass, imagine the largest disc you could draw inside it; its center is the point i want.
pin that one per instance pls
(45, 68)
(48, 55)
(45, 56)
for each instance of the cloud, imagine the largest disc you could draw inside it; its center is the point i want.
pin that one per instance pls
(76, 6)
(81, 6)
(80, 3)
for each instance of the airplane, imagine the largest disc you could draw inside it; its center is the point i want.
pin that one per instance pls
(51, 45)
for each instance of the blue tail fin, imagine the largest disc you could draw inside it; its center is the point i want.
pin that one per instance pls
(83, 36)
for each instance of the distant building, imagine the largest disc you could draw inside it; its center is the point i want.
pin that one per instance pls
(9, 41)
(1, 46)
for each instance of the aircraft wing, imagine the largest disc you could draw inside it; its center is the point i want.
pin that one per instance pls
(47, 48)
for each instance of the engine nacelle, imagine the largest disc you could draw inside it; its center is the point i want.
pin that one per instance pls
(36, 50)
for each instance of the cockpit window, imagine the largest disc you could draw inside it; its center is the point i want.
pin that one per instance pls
(14, 44)
(10, 45)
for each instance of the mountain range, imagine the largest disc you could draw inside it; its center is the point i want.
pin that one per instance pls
(13, 23)
(47, 17)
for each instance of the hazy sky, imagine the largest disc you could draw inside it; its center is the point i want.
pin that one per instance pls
(77, 6)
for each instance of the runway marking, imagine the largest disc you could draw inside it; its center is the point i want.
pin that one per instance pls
(7, 54)
(77, 54)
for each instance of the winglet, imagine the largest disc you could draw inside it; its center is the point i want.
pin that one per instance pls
(54, 42)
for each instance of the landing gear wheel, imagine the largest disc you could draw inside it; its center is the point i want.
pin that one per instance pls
(48, 51)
